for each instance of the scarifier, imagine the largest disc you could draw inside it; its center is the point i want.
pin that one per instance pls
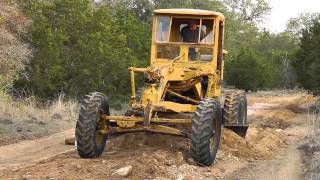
(181, 94)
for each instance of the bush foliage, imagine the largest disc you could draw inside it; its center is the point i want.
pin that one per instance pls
(307, 58)
(81, 46)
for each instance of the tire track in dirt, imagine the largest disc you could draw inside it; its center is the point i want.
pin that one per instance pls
(27, 153)
(286, 163)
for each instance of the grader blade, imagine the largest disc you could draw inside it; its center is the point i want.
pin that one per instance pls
(240, 130)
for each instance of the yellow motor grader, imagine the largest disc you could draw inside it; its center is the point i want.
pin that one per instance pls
(181, 93)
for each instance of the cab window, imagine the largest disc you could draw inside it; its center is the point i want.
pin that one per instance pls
(163, 25)
(198, 31)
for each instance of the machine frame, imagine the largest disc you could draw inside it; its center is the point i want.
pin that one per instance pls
(168, 70)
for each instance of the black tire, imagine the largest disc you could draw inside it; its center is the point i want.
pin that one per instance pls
(91, 143)
(206, 131)
(235, 112)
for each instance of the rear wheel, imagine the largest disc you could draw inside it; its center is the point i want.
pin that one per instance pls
(235, 112)
(90, 142)
(206, 131)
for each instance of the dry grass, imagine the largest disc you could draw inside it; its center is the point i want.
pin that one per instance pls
(25, 119)
(313, 122)
(311, 147)
(28, 119)
(59, 109)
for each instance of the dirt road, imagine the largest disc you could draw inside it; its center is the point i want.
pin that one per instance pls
(269, 151)
(286, 162)
(26, 153)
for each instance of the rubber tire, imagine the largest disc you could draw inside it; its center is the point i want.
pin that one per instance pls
(206, 120)
(234, 104)
(93, 105)
(235, 113)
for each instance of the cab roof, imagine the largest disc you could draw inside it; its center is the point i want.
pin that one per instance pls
(196, 12)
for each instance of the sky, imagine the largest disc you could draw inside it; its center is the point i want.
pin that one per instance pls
(283, 10)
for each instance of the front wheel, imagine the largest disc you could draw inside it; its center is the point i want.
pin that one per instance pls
(206, 131)
(90, 142)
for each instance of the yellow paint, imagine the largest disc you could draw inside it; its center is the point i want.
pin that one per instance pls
(134, 119)
(177, 77)
(195, 12)
(176, 107)
(126, 124)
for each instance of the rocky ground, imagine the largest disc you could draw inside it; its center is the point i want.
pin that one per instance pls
(274, 148)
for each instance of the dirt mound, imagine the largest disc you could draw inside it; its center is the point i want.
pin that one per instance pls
(281, 116)
(277, 119)
(257, 145)
(305, 103)
(305, 99)
(150, 140)
(238, 146)
(295, 108)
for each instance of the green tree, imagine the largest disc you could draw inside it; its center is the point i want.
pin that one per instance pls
(80, 48)
(245, 71)
(253, 11)
(307, 59)
(295, 25)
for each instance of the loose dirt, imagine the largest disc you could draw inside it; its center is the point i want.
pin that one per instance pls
(270, 147)
(29, 152)
(286, 162)
(259, 144)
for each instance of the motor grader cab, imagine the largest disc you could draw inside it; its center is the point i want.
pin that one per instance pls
(182, 91)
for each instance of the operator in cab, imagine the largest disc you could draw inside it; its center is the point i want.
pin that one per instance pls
(190, 34)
